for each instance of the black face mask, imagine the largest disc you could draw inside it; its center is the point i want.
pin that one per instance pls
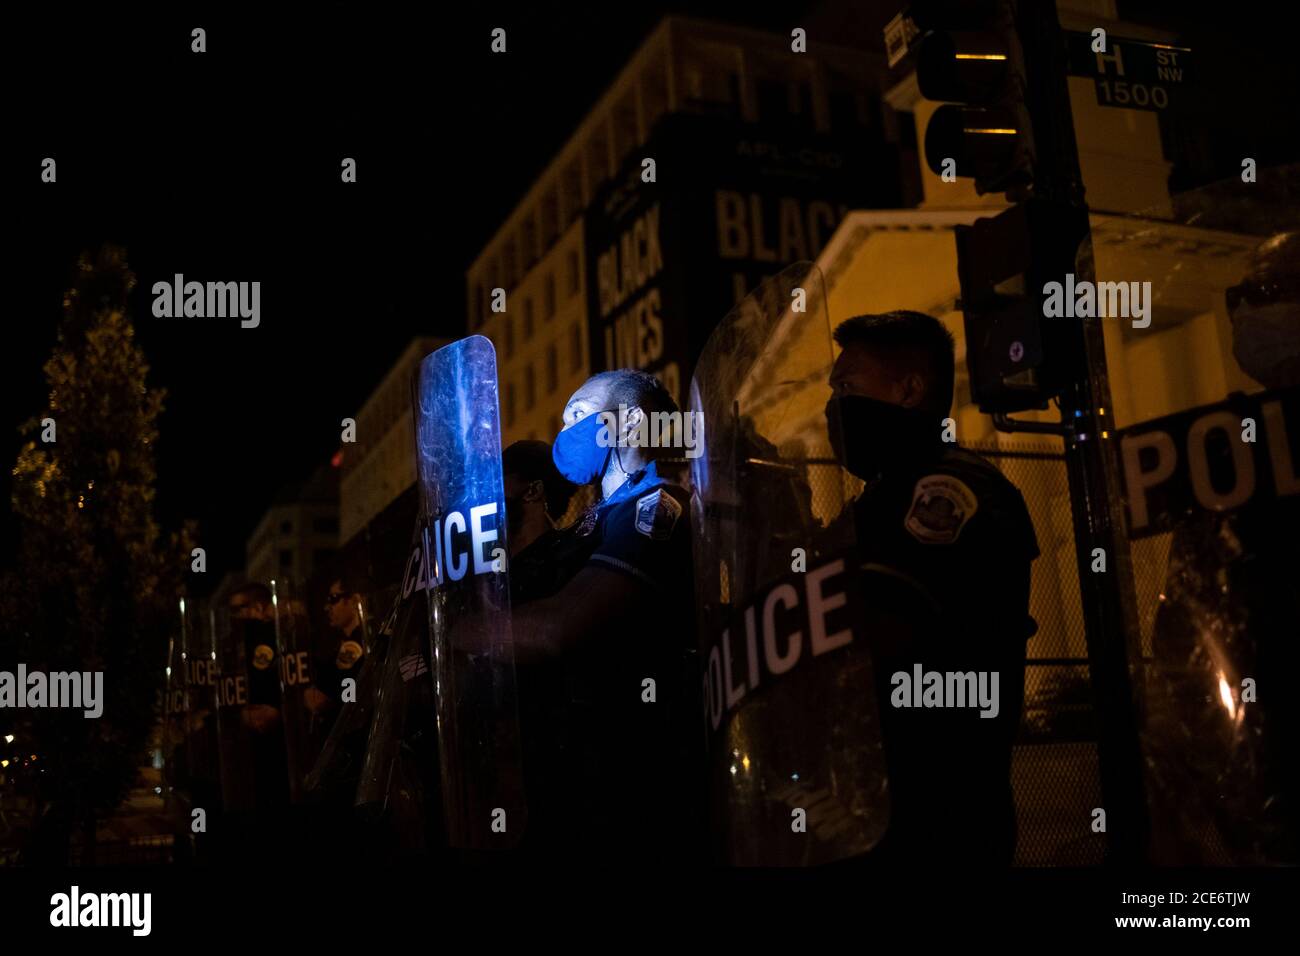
(515, 511)
(514, 516)
(869, 436)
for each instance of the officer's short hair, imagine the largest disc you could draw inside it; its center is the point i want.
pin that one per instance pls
(531, 461)
(351, 580)
(912, 340)
(254, 592)
(630, 386)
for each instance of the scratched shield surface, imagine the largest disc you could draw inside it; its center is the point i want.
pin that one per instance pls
(1209, 448)
(458, 466)
(791, 714)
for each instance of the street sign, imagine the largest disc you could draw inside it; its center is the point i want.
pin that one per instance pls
(899, 34)
(1130, 74)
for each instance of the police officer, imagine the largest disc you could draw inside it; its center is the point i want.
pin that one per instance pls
(542, 557)
(946, 544)
(254, 763)
(616, 637)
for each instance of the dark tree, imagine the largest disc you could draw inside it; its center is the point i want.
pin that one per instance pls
(95, 580)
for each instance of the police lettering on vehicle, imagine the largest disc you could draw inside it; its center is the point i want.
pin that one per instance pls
(800, 617)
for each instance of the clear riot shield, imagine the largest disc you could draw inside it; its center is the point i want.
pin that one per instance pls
(348, 684)
(458, 467)
(791, 714)
(199, 659)
(1205, 377)
(303, 704)
(175, 706)
(399, 775)
(249, 717)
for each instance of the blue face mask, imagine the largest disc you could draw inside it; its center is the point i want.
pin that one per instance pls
(577, 453)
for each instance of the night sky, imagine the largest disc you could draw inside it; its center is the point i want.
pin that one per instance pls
(225, 167)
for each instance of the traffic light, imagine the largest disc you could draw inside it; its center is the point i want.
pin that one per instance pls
(1016, 356)
(968, 55)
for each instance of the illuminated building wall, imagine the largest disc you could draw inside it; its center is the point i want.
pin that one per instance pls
(299, 532)
(380, 466)
(759, 152)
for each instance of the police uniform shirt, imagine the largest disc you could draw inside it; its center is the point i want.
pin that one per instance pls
(622, 751)
(548, 563)
(260, 663)
(338, 658)
(946, 543)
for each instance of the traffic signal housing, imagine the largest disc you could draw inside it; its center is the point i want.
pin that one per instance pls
(969, 57)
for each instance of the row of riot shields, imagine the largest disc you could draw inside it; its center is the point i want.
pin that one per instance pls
(760, 392)
(786, 694)
(783, 686)
(259, 692)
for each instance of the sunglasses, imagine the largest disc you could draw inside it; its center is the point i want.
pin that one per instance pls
(1262, 293)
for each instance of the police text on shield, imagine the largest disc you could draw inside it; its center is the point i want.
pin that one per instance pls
(781, 628)
(451, 560)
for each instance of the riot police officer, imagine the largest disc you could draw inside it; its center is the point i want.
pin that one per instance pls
(542, 557)
(945, 544)
(616, 638)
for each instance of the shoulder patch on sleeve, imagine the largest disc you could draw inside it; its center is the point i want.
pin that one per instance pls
(657, 514)
(941, 506)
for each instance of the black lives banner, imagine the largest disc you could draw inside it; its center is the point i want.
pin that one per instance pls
(731, 203)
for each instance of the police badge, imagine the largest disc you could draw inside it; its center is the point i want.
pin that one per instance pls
(941, 506)
(657, 514)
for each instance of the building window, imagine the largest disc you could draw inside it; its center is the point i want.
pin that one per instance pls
(510, 404)
(530, 387)
(550, 216)
(325, 525)
(528, 319)
(528, 243)
(322, 556)
(550, 296)
(286, 527)
(575, 348)
(510, 336)
(286, 559)
(575, 273)
(575, 196)
(552, 368)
